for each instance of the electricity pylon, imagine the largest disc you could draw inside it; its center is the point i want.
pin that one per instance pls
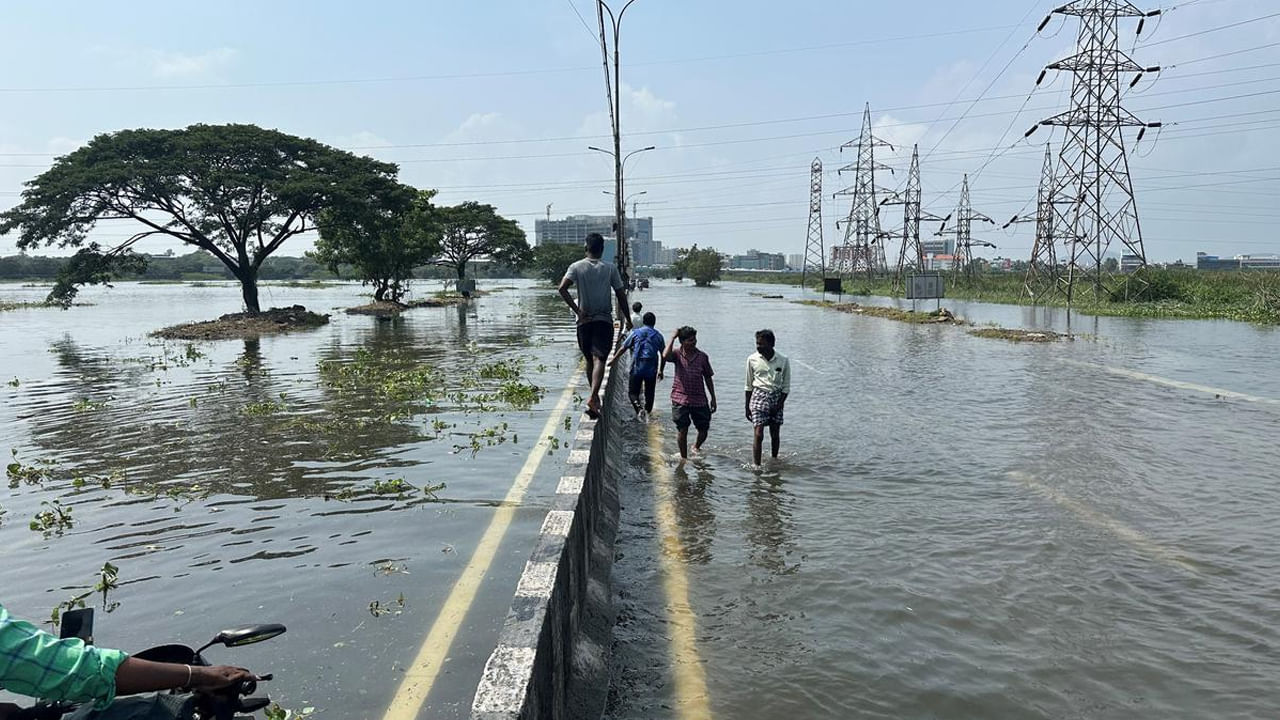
(911, 252)
(863, 247)
(1092, 164)
(963, 230)
(1043, 273)
(814, 254)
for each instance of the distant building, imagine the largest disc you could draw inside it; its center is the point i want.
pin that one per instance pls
(1130, 263)
(1259, 262)
(1204, 261)
(940, 262)
(795, 261)
(573, 229)
(756, 260)
(944, 246)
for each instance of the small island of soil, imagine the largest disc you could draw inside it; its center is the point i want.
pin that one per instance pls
(244, 325)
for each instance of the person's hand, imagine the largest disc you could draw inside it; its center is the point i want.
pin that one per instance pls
(748, 413)
(217, 677)
(713, 406)
(659, 376)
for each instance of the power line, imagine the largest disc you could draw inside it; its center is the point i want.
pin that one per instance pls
(501, 73)
(1206, 31)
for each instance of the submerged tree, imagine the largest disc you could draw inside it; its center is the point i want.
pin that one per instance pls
(701, 265)
(384, 242)
(236, 191)
(472, 230)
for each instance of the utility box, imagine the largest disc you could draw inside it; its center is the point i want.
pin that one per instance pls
(831, 285)
(466, 287)
(925, 286)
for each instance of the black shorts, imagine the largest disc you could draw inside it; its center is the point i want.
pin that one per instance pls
(699, 414)
(595, 338)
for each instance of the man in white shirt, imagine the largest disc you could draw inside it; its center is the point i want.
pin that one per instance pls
(768, 384)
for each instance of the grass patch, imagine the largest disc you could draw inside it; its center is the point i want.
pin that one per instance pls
(243, 325)
(1246, 296)
(1019, 335)
(932, 317)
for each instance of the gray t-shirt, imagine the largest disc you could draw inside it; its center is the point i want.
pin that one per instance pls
(596, 280)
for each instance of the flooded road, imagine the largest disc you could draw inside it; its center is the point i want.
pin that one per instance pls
(281, 479)
(960, 527)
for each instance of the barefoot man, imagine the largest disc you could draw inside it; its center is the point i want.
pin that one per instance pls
(768, 384)
(595, 278)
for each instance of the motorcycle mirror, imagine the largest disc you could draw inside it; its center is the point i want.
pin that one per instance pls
(78, 624)
(246, 635)
(253, 704)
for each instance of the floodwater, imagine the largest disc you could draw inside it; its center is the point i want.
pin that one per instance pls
(962, 527)
(239, 477)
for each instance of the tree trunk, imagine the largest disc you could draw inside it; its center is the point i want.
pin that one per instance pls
(461, 267)
(248, 278)
(379, 290)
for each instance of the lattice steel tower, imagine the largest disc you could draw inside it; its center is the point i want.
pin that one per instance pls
(814, 254)
(1043, 274)
(1092, 164)
(963, 230)
(863, 247)
(911, 252)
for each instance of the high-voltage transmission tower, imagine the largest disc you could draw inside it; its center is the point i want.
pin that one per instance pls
(863, 247)
(963, 230)
(814, 255)
(911, 252)
(1092, 164)
(1043, 274)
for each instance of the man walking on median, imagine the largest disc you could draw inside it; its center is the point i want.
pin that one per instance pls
(594, 279)
(689, 403)
(768, 384)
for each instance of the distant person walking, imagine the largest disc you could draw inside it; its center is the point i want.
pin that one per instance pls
(636, 318)
(646, 345)
(594, 279)
(689, 402)
(768, 384)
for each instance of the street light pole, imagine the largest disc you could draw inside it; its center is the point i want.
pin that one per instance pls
(619, 207)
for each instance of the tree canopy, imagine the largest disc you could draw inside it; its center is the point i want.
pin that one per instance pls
(553, 259)
(701, 265)
(472, 230)
(384, 242)
(236, 191)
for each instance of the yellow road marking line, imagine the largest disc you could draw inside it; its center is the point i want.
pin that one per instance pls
(691, 699)
(422, 673)
(1105, 522)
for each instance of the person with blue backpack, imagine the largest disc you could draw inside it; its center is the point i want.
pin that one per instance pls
(645, 344)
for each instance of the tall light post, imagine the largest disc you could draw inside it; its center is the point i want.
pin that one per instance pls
(619, 204)
(614, 97)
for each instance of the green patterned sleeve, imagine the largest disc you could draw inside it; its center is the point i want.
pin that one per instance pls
(38, 664)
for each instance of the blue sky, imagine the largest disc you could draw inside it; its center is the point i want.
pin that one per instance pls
(497, 102)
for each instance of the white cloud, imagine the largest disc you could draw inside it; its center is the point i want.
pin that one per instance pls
(182, 65)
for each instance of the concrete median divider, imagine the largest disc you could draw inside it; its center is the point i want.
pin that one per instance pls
(551, 660)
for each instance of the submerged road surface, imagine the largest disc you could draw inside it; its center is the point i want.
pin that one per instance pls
(959, 527)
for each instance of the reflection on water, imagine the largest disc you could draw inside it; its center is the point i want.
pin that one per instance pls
(769, 523)
(237, 481)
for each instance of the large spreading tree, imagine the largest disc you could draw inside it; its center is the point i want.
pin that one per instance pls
(701, 265)
(237, 192)
(384, 242)
(472, 230)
